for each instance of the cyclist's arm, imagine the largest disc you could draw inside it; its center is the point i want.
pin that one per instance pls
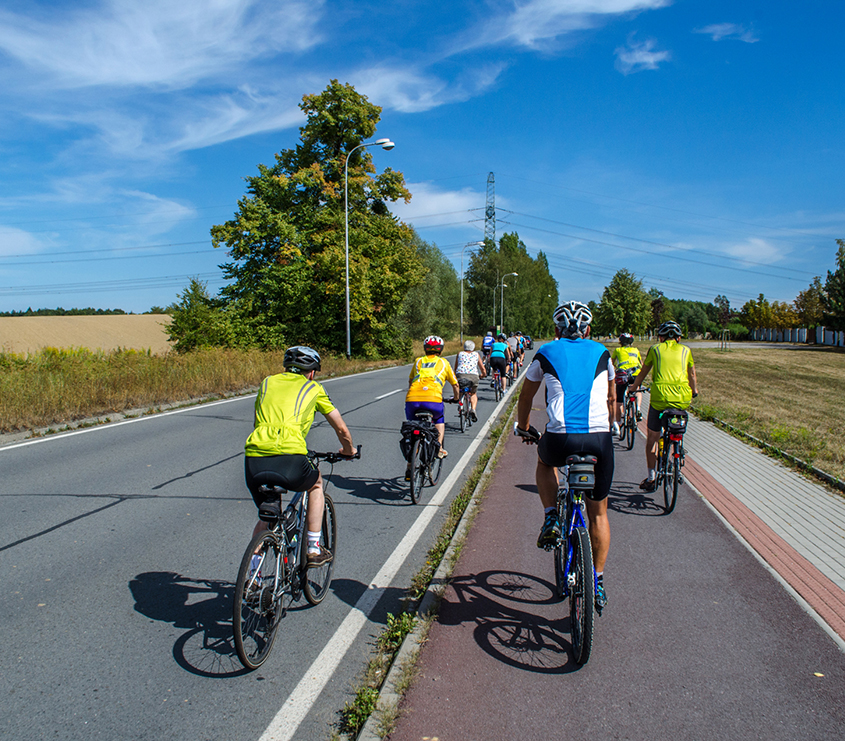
(342, 432)
(638, 381)
(611, 391)
(523, 407)
(481, 372)
(693, 381)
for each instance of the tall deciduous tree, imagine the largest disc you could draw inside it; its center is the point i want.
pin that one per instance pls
(286, 240)
(809, 304)
(835, 291)
(624, 306)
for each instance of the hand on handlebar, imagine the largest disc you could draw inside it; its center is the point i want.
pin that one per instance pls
(529, 436)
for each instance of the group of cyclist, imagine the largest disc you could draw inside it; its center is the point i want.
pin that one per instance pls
(585, 385)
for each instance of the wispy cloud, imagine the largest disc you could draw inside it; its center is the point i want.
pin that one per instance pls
(157, 42)
(638, 56)
(735, 31)
(15, 241)
(431, 206)
(539, 23)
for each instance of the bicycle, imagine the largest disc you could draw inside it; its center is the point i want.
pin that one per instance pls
(465, 408)
(628, 432)
(274, 573)
(575, 576)
(671, 454)
(421, 440)
(498, 392)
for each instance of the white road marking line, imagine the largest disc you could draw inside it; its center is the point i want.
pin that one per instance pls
(287, 721)
(389, 393)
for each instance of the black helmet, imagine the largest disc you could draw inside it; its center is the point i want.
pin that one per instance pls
(669, 329)
(626, 339)
(301, 358)
(502, 337)
(573, 318)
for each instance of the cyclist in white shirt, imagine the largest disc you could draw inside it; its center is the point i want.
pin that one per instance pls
(469, 368)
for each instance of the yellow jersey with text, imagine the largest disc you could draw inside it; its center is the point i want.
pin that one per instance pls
(284, 412)
(429, 374)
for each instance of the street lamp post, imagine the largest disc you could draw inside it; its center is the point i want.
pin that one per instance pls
(502, 322)
(384, 144)
(468, 244)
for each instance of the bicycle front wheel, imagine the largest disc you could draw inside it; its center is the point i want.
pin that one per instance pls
(316, 580)
(462, 416)
(258, 600)
(670, 481)
(582, 598)
(630, 426)
(418, 472)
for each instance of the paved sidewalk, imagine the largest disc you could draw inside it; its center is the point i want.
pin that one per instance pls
(797, 526)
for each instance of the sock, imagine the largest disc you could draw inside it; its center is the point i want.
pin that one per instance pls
(550, 509)
(651, 474)
(313, 542)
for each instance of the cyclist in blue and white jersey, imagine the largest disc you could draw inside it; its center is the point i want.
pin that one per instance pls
(580, 390)
(487, 345)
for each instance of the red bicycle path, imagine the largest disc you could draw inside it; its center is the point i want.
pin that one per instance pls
(698, 639)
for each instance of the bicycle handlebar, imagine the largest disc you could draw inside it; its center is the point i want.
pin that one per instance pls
(335, 457)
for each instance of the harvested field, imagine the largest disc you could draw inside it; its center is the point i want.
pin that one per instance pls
(29, 334)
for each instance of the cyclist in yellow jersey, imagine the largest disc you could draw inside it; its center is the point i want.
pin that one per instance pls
(627, 362)
(673, 385)
(284, 412)
(429, 374)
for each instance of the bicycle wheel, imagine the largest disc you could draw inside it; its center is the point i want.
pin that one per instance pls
(559, 553)
(418, 472)
(434, 469)
(630, 425)
(316, 580)
(670, 482)
(462, 415)
(468, 410)
(256, 613)
(582, 598)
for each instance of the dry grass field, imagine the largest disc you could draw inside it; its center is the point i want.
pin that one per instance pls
(29, 334)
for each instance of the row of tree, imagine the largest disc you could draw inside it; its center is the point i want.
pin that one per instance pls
(287, 255)
(626, 306)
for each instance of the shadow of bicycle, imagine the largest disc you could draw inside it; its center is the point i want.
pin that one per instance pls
(523, 638)
(203, 607)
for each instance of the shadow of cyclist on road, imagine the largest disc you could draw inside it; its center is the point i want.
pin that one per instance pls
(203, 608)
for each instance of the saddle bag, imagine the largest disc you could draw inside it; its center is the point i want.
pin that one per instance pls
(675, 420)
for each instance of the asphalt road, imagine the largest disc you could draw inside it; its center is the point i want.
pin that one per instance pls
(119, 546)
(698, 640)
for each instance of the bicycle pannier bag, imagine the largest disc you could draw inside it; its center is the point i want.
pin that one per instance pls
(676, 421)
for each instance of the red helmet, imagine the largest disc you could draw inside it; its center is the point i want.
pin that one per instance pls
(433, 344)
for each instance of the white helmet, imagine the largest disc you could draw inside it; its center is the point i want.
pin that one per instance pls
(573, 318)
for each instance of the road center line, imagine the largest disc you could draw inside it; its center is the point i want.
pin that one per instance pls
(389, 393)
(287, 721)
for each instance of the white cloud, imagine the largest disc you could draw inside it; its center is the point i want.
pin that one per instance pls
(757, 250)
(639, 56)
(18, 242)
(536, 23)
(157, 42)
(736, 31)
(431, 206)
(410, 90)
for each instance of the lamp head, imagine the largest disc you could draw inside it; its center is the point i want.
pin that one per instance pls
(385, 144)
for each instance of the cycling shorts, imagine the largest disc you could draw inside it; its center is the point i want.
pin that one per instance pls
(499, 364)
(556, 447)
(653, 423)
(436, 409)
(296, 473)
(468, 379)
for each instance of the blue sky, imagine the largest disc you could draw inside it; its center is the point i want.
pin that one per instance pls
(695, 143)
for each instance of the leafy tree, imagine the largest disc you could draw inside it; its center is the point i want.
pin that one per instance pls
(530, 297)
(624, 306)
(723, 306)
(433, 306)
(286, 240)
(196, 319)
(834, 288)
(810, 304)
(657, 304)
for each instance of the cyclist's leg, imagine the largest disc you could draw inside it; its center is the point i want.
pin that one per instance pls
(652, 437)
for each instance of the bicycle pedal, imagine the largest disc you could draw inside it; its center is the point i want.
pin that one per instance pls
(681, 479)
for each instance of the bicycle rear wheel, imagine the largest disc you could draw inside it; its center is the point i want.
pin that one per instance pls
(670, 480)
(316, 580)
(462, 415)
(630, 426)
(434, 467)
(418, 472)
(256, 614)
(582, 598)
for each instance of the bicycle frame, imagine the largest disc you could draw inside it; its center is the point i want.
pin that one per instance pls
(572, 517)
